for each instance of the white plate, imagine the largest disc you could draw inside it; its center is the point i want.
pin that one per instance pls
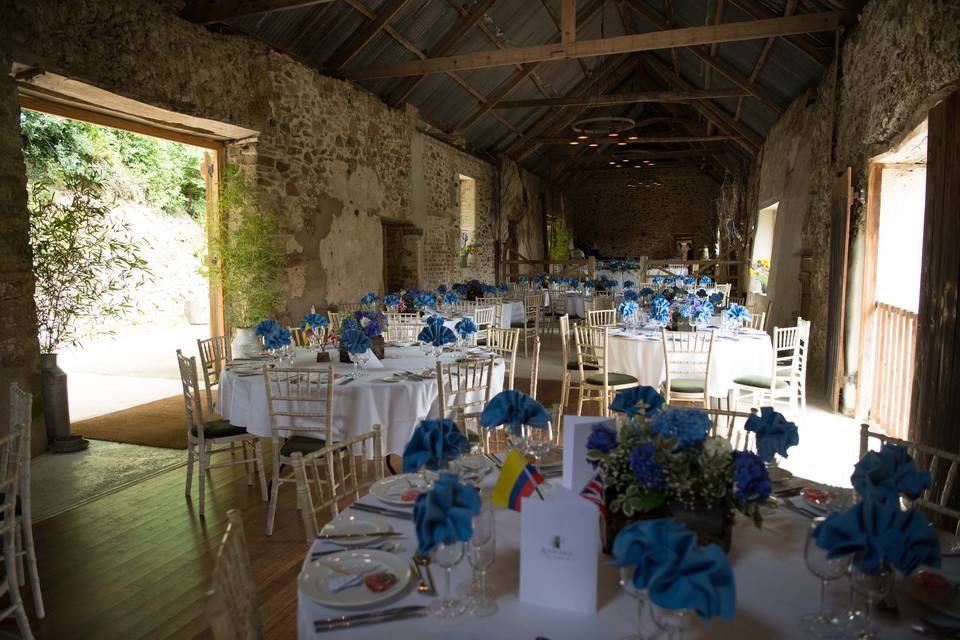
(315, 576)
(356, 523)
(390, 489)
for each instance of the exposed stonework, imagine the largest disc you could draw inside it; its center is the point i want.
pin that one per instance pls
(896, 64)
(618, 221)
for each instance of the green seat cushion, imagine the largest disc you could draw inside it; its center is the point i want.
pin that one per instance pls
(613, 379)
(760, 382)
(687, 385)
(301, 444)
(219, 429)
(520, 324)
(575, 366)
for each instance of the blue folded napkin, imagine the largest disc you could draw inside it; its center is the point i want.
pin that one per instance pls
(514, 408)
(659, 309)
(715, 298)
(627, 401)
(885, 474)
(313, 320)
(628, 309)
(433, 443)
(876, 532)
(444, 515)
(434, 320)
(676, 572)
(466, 327)
(451, 297)
(437, 334)
(774, 434)
(355, 341)
(273, 333)
(738, 313)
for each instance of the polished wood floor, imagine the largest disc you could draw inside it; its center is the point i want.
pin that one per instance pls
(136, 563)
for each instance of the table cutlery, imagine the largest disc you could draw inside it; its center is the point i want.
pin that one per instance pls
(347, 536)
(387, 615)
(494, 459)
(387, 546)
(346, 380)
(790, 506)
(393, 513)
(424, 561)
(422, 586)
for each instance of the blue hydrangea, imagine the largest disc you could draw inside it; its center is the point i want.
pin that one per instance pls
(602, 437)
(441, 288)
(649, 473)
(688, 426)
(628, 284)
(646, 292)
(369, 299)
(751, 478)
(631, 295)
(716, 298)
(451, 297)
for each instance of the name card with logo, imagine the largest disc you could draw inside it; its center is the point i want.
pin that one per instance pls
(559, 552)
(577, 472)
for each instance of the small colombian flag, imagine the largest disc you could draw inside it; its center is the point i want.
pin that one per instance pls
(518, 479)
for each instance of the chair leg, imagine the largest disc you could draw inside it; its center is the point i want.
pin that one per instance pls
(18, 545)
(247, 462)
(10, 562)
(274, 495)
(203, 476)
(258, 455)
(580, 393)
(189, 486)
(29, 551)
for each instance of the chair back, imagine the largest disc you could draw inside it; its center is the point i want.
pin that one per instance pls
(464, 390)
(11, 456)
(298, 337)
(687, 355)
(328, 476)
(602, 318)
(300, 401)
(535, 368)
(191, 394)
(484, 318)
(232, 599)
(464, 307)
(726, 425)
(564, 322)
(336, 319)
(757, 320)
(403, 327)
(504, 343)
(786, 355)
(532, 308)
(349, 307)
(21, 418)
(591, 345)
(803, 340)
(495, 303)
(214, 356)
(941, 464)
(558, 302)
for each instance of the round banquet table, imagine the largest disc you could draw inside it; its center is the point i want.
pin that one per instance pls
(396, 406)
(774, 589)
(640, 354)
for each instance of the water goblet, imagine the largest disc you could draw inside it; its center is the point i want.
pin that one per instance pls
(644, 619)
(446, 556)
(427, 349)
(362, 360)
(873, 587)
(674, 622)
(824, 623)
(481, 553)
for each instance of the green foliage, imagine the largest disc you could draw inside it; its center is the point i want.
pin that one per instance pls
(161, 174)
(85, 262)
(561, 238)
(246, 258)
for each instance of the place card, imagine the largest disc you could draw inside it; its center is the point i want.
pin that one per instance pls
(559, 552)
(577, 472)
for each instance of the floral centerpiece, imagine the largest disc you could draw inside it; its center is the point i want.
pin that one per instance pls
(369, 301)
(662, 462)
(312, 323)
(369, 323)
(470, 290)
(760, 273)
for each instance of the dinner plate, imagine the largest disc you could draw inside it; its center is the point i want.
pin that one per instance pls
(351, 523)
(315, 577)
(396, 489)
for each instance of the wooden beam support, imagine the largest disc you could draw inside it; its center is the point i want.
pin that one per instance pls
(622, 98)
(637, 140)
(638, 157)
(683, 37)
(803, 42)
(210, 11)
(447, 43)
(788, 10)
(345, 53)
(556, 22)
(568, 21)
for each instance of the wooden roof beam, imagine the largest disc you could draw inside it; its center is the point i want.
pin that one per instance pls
(446, 43)
(556, 21)
(622, 98)
(210, 11)
(639, 140)
(788, 10)
(683, 37)
(361, 38)
(803, 42)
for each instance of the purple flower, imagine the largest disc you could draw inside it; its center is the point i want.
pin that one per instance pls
(602, 437)
(648, 472)
(751, 478)
(688, 426)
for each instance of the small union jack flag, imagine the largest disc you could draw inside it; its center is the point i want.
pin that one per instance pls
(593, 491)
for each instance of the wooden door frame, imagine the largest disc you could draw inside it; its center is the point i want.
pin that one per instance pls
(868, 298)
(835, 370)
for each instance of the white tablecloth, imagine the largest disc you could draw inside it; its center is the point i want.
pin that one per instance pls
(732, 358)
(397, 407)
(774, 589)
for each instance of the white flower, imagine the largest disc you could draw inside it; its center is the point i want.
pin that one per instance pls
(716, 447)
(364, 321)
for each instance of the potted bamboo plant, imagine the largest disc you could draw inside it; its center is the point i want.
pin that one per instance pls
(245, 260)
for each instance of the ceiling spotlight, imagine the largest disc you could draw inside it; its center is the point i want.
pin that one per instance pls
(583, 137)
(651, 163)
(633, 138)
(612, 162)
(613, 134)
(574, 142)
(621, 144)
(593, 145)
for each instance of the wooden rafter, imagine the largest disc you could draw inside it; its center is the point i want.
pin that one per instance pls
(345, 53)
(556, 21)
(622, 98)
(707, 75)
(788, 10)
(682, 37)
(210, 11)
(803, 42)
(607, 159)
(632, 140)
(446, 44)
(732, 74)
(568, 21)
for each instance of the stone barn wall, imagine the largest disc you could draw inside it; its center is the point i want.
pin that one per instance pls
(895, 65)
(618, 221)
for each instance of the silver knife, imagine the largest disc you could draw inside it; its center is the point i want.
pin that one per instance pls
(347, 380)
(396, 513)
(388, 615)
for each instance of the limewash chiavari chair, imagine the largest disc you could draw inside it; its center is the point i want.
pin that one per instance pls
(726, 425)
(11, 455)
(598, 384)
(534, 368)
(204, 436)
(571, 379)
(558, 307)
(504, 343)
(803, 330)
(782, 383)
(495, 303)
(349, 307)
(232, 600)
(328, 476)
(21, 405)
(687, 356)
(602, 318)
(484, 318)
(758, 320)
(300, 401)
(463, 308)
(529, 324)
(298, 337)
(464, 392)
(336, 318)
(214, 355)
(403, 327)
(927, 458)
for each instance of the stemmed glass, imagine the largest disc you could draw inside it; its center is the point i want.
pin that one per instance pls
(361, 360)
(446, 556)
(481, 552)
(873, 587)
(643, 604)
(356, 364)
(824, 623)
(535, 441)
(674, 622)
(427, 348)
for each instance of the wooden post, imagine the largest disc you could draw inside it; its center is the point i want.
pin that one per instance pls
(840, 200)
(568, 21)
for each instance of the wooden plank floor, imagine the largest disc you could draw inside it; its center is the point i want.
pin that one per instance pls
(136, 563)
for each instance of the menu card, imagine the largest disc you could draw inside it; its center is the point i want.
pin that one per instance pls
(576, 470)
(559, 552)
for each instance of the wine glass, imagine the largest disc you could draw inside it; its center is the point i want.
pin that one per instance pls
(427, 348)
(674, 622)
(356, 364)
(824, 623)
(481, 553)
(446, 556)
(361, 360)
(535, 441)
(873, 587)
(644, 620)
